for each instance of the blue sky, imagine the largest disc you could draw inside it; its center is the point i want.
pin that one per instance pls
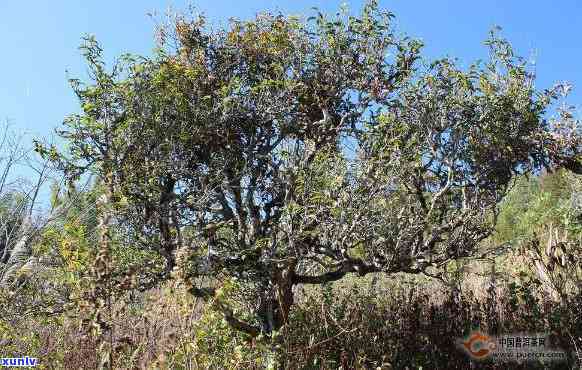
(39, 40)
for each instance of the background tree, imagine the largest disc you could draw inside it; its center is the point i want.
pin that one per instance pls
(23, 177)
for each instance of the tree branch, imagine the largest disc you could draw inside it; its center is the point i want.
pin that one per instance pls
(231, 320)
(352, 265)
